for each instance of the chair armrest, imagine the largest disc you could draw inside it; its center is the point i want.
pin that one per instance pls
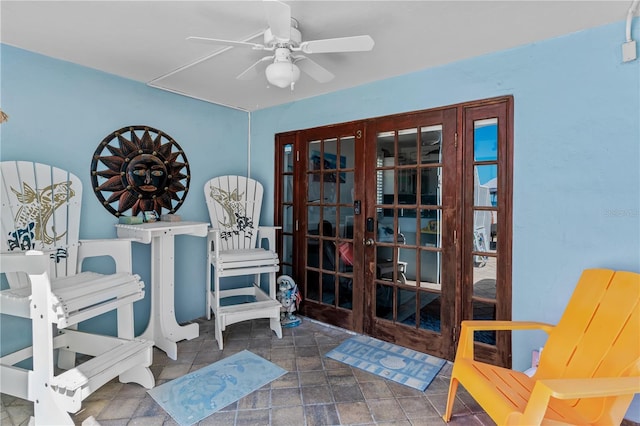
(590, 387)
(119, 249)
(546, 389)
(32, 262)
(465, 344)
(268, 233)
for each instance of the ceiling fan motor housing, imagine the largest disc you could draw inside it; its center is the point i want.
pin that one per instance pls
(294, 40)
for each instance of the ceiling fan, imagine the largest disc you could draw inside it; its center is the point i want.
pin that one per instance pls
(284, 40)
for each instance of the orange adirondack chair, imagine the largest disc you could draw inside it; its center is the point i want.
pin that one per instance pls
(589, 369)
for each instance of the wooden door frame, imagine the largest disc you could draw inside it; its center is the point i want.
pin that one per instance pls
(501, 356)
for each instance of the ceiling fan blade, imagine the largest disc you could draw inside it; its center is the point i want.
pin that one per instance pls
(315, 70)
(343, 44)
(279, 18)
(252, 71)
(255, 46)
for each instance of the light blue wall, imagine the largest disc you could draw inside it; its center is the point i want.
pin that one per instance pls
(576, 200)
(59, 113)
(576, 156)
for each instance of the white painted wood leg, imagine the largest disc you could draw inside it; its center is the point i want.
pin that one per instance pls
(163, 328)
(140, 375)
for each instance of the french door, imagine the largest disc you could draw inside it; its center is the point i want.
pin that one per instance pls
(390, 225)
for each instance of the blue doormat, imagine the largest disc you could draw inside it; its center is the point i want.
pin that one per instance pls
(194, 396)
(387, 360)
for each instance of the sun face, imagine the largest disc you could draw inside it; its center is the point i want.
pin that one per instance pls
(141, 169)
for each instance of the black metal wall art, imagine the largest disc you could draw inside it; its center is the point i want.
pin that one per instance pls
(141, 169)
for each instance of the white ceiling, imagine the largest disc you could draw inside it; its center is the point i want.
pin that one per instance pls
(145, 40)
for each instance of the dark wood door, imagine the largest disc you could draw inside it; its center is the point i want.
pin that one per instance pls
(410, 239)
(400, 226)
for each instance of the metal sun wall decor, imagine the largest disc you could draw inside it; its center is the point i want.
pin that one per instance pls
(141, 169)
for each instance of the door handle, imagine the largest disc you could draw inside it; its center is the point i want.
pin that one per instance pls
(368, 242)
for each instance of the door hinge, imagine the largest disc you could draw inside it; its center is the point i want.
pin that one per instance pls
(296, 224)
(455, 140)
(453, 334)
(297, 155)
(455, 237)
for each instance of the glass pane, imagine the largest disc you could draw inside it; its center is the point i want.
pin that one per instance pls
(484, 311)
(485, 140)
(313, 285)
(313, 253)
(287, 160)
(384, 262)
(330, 151)
(287, 189)
(329, 187)
(287, 249)
(313, 219)
(406, 305)
(346, 222)
(287, 270)
(346, 293)
(346, 188)
(407, 186)
(347, 150)
(407, 146)
(328, 289)
(430, 312)
(431, 186)
(386, 233)
(287, 218)
(482, 220)
(314, 155)
(406, 266)
(384, 301)
(431, 144)
(485, 185)
(484, 280)
(386, 145)
(387, 183)
(430, 269)
(329, 217)
(430, 233)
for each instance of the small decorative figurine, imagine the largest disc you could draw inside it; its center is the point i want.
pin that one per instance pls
(289, 296)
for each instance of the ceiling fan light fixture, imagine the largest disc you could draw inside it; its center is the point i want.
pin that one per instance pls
(282, 74)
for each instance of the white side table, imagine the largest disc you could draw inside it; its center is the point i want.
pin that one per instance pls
(163, 328)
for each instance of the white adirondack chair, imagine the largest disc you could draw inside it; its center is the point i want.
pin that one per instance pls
(41, 257)
(235, 249)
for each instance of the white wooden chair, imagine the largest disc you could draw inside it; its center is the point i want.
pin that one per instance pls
(235, 248)
(41, 258)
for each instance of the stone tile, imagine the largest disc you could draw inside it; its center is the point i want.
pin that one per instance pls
(219, 418)
(313, 378)
(173, 371)
(417, 407)
(288, 416)
(316, 395)
(253, 417)
(119, 408)
(257, 399)
(321, 415)
(375, 390)
(347, 393)
(354, 413)
(387, 410)
(288, 380)
(309, 363)
(285, 397)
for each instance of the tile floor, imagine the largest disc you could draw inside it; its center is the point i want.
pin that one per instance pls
(315, 391)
